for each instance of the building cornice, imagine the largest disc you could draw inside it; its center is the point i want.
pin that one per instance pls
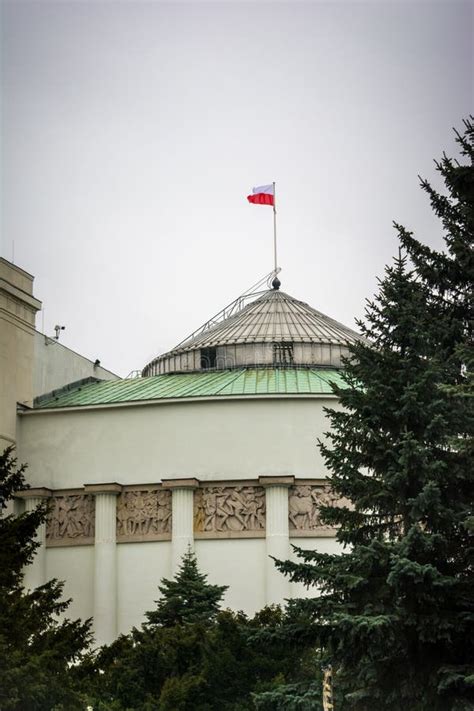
(177, 400)
(20, 295)
(109, 488)
(188, 483)
(276, 480)
(34, 493)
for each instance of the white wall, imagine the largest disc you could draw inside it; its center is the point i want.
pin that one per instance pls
(54, 366)
(75, 566)
(239, 563)
(140, 569)
(213, 440)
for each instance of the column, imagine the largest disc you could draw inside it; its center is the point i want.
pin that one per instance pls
(182, 527)
(35, 573)
(105, 561)
(277, 585)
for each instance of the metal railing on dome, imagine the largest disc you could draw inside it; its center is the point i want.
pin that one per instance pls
(133, 374)
(233, 308)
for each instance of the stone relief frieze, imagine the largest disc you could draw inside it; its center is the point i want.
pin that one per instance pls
(144, 514)
(71, 520)
(225, 511)
(229, 510)
(304, 505)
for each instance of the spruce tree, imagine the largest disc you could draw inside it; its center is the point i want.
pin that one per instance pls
(193, 657)
(395, 609)
(36, 649)
(188, 598)
(450, 275)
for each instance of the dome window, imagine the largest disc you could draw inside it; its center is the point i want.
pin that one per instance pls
(208, 358)
(283, 354)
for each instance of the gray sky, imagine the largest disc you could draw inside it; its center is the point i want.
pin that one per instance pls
(133, 131)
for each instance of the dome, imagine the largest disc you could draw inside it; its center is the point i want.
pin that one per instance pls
(273, 330)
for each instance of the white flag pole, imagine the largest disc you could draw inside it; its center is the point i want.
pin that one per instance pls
(275, 229)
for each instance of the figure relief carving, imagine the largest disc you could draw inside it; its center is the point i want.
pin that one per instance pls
(305, 501)
(71, 519)
(224, 509)
(144, 514)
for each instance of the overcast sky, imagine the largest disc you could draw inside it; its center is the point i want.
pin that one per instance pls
(133, 131)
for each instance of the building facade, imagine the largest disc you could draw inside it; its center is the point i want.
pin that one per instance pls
(214, 447)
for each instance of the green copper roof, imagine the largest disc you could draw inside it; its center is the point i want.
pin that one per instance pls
(219, 383)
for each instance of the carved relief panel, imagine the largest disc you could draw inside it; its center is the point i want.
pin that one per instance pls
(71, 520)
(304, 505)
(144, 515)
(229, 512)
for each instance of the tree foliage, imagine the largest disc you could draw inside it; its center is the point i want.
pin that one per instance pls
(36, 649)
(191, 656)
(189, 598)
(396, 608)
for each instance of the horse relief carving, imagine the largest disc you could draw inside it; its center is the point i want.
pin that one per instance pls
(304, 507)
(71, 518)
(143, 513)
(222, 509)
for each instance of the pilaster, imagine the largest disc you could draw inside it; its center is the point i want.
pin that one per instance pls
(182, 527)
(35, 573)
(277, 586)
(105, 561)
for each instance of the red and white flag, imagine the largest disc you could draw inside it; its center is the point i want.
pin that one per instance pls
(263, 195)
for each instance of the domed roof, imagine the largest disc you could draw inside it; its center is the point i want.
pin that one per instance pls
(273, 320)
(273, 317)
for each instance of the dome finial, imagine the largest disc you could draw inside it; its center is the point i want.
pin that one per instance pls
(276, 283)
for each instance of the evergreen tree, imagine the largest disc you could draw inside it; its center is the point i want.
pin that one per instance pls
(395, 610)
(36, 649)
(189, 598)
(196, 667)
(199, 659)
(450, 275)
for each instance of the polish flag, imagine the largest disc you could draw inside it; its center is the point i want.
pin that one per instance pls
(263, 195)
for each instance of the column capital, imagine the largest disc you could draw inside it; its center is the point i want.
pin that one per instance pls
(276, 480)
(39, 492)
(190, 483)
(111, 488)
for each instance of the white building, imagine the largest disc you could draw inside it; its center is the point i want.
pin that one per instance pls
(31, 363)
(215, 447)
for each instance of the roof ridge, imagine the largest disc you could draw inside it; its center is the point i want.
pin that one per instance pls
(70, 387)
